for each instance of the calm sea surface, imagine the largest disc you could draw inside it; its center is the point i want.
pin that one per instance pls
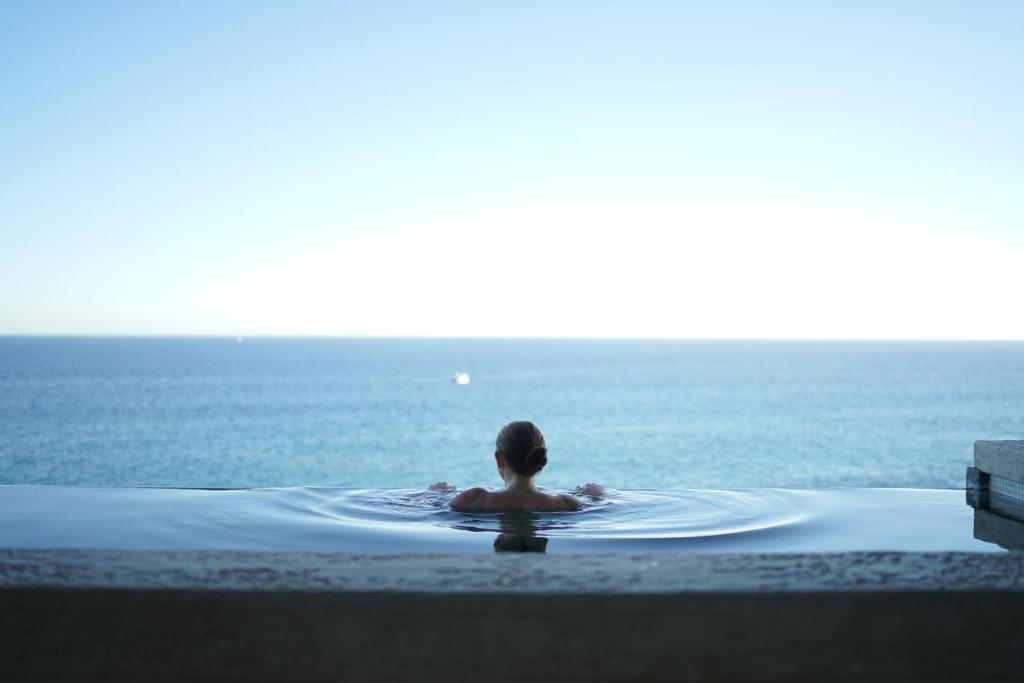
(385, 413)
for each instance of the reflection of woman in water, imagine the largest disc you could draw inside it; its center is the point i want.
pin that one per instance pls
(521, 453)
(519, 533)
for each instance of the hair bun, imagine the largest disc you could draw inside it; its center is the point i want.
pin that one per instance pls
(536, 459)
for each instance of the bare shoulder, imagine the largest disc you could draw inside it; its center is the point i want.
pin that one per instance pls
(469, 498)
(569, 501)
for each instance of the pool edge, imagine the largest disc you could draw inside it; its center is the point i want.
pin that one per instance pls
(220, 616)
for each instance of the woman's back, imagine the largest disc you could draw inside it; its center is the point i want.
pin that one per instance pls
(515, 498)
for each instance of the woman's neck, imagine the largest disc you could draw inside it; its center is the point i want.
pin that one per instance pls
(518, 482)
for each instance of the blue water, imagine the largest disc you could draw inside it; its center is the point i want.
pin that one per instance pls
(385, 413)
(326, 519)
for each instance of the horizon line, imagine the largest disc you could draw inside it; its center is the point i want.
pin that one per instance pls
(413, 337)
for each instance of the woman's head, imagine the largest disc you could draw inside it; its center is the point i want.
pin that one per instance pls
(521, 446)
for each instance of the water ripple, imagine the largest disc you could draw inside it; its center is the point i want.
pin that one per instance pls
(621, 514)
(319, 519)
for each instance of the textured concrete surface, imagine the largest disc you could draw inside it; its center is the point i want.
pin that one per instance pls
(1001, 458)
(516, 573)
(123, 615)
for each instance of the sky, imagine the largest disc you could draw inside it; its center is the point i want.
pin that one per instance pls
(531, 169)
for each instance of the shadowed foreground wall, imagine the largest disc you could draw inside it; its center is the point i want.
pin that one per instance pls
(217, 616)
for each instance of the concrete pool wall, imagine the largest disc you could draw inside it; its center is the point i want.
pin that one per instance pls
(211, 616)
(72, 615)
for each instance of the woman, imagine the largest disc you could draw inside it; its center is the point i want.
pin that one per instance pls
(520, 454)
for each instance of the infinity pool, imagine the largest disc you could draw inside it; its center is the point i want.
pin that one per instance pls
(401, 521)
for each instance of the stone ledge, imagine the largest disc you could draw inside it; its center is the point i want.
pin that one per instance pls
(231, 616)
(511, 573)
(1001, 458)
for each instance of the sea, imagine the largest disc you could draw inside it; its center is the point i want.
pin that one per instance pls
(389, 414)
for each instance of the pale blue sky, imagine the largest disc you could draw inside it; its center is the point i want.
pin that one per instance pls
(733, 169)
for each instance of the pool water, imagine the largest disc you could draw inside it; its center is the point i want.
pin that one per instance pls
(322, 519)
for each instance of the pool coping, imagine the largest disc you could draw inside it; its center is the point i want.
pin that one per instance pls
(91, 615)
(511, 572)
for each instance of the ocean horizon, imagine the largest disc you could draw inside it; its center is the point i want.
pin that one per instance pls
(202, 411)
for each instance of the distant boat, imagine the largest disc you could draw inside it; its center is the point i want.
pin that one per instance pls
(460, 378)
